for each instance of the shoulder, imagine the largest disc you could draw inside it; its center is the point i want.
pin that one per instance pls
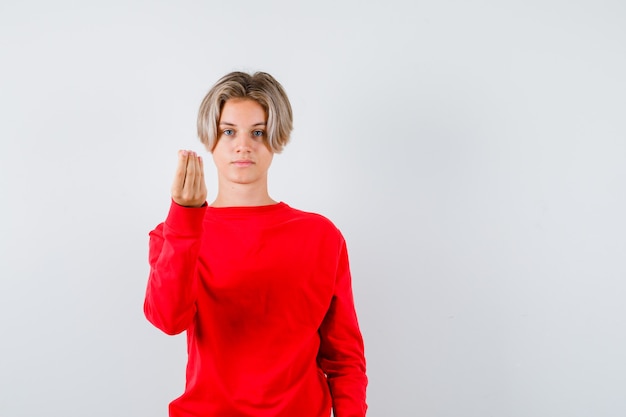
(309, 216)
(313, 220)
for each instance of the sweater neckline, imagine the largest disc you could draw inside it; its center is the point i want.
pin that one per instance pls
(270, 208)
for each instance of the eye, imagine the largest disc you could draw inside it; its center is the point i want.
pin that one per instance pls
(228, 132)
(257, 133)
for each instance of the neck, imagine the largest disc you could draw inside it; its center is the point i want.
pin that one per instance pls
(242, 195)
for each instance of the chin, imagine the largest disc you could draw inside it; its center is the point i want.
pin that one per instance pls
(243, 180)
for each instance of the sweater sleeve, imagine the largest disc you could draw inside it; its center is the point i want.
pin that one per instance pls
(170, 302)
(341, 354)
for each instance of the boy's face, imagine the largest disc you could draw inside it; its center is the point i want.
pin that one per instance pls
(241, 154)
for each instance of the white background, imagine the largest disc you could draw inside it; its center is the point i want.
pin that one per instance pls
(472, 152)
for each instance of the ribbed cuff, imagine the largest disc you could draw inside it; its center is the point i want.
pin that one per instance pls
(186, 221)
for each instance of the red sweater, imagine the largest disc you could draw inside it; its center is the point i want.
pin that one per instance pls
(265, 296)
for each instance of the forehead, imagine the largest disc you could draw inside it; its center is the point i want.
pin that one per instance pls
(242, 111)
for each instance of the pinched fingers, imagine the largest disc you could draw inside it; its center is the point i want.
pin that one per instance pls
(189, 188)
(181, 171)
(191, 172)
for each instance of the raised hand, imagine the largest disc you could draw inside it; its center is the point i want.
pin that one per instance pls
(189, 188)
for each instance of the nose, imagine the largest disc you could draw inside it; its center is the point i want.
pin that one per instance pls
(243, 144)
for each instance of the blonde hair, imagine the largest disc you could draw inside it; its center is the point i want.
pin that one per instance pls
(260, 87)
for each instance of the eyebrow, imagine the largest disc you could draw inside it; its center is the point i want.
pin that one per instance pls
(232, 124)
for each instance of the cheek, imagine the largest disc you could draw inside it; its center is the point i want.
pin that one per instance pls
(218, 158)
(267, 158)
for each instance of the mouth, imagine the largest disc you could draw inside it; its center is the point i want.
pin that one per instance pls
(242, 162)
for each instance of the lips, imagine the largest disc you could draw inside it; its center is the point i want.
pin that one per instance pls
(242, 162)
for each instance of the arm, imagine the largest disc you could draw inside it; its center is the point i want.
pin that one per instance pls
(341, 355)
(171, 293)
(174, 247)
